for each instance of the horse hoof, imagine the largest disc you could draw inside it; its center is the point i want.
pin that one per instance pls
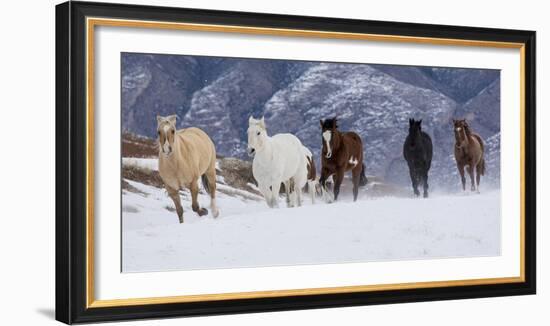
(181, 220)
(425, 195)
(216, 213)
(202, 211)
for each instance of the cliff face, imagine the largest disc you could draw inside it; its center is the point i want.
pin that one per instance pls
(376, 101)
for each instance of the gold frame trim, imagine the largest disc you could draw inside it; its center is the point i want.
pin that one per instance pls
(92, 22)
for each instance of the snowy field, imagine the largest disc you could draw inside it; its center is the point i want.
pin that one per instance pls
(249, 234)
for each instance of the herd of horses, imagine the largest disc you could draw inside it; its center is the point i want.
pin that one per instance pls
(187, 155)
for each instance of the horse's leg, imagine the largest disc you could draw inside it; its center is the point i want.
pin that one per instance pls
(312, 189)
(356, 177)
(471, 172)
(425, 179)
(294, 193)
(275, 188)
(325, 174)
(298, 194)
(287, 191)
(460, 167)
(194, 187)
(292, 187)
(266, 192)
(339, 177)
(211, 179)
(323, 178)
(175, 196)
(298, 183)
(324, 193)
(479, 168)
(414, 180)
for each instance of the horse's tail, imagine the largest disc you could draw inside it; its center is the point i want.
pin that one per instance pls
(204, 180)
(482, 166)
(363, 178)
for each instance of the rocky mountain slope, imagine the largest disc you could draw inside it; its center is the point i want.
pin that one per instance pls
(219, 94)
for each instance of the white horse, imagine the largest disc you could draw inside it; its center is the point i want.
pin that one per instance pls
(278, 159)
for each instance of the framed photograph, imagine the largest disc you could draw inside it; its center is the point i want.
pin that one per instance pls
(212, 162)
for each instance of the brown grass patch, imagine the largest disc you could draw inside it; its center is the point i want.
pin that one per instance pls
(237, 173)
(142, 175)
(138, 146)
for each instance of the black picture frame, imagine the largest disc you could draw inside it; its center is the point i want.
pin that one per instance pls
(71, 157)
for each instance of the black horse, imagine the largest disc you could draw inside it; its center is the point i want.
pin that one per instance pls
(418, 152)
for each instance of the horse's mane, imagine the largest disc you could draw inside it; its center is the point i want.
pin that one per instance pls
(470, 133)
(467, 130)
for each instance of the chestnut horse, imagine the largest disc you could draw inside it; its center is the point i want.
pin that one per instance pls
(342, 152)
(469, 152)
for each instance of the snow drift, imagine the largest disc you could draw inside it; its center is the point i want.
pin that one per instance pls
(249, 234)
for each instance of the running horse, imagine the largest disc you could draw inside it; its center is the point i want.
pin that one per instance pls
(185, 156)
(342, 152)
(469, 151)
(418, 152)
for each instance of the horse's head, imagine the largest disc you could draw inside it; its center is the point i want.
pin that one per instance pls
(331, 136)
(460, 128)
(415, 129)
(257, 135)
(166, 130)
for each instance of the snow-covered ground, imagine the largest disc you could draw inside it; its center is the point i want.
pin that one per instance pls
(249, 234)
(146, 163)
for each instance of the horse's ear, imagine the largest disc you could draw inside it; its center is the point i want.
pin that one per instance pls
(411, 122)
(159, 119)
(172, 119)
(419, 122)
(321, 122)
(251, 120)
(262, 122)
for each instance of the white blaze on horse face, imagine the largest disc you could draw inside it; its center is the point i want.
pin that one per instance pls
(166, 146)
(327, 135)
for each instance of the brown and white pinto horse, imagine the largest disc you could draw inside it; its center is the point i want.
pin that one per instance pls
(342, 152)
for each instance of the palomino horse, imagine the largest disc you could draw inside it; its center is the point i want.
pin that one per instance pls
(185, 156)
(278, 159)
(418, 152)
(469, 152)
(342, 151)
